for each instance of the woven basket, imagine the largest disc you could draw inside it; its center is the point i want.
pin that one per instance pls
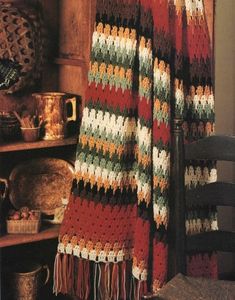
(21, 40)
(25, 226)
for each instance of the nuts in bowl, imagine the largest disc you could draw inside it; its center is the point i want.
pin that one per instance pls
(23, 220)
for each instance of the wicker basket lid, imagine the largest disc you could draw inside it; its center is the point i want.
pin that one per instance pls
(21, 46)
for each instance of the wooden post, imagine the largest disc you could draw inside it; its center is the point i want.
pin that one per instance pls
(178, 196)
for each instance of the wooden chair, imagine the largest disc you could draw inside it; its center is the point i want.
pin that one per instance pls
(216, 194)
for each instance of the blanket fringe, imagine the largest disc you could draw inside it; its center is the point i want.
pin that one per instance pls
(64, 287)
(110, 281)
(83, 279)
(57, 275)
(70, 279)
(139, 289)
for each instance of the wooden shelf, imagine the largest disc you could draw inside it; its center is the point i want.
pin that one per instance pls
(46, 233)
(70, 61)
(20, 145)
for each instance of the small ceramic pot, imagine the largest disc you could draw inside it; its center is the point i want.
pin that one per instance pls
(9, 126)
(30, 134)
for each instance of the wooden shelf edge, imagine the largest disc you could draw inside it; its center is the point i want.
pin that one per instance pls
(70, 61)
(46, 233)
(20, 145)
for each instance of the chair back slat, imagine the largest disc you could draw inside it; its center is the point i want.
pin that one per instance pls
(211, 241)
(211, 194)
(213, 148)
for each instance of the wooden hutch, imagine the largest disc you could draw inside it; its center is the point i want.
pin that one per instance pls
(69, 25)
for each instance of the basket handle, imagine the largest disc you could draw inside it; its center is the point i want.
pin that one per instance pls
(48, 274)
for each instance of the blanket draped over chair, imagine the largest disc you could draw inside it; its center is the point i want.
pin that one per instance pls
(151, 60)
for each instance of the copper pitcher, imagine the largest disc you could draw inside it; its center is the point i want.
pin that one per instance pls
(24, 280)
(52, 111)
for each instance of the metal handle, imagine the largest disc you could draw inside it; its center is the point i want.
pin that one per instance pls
(3, 180)
(74, 113)
(48, 273)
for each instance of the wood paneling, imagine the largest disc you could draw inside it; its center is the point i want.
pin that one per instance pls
(50, 11)
(72, 79)
(75, 29)
(76, 25)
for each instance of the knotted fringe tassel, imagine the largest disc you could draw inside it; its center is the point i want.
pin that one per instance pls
(87, 276)
(64, 287)
(115, 282)
(107, 285)
(123, 280)
(83, 279)
(102, 281)
(57, 281)
(140, 288)
(70, 275)
(95, 281)
(129, 282)
(79, 286)
(143, 288)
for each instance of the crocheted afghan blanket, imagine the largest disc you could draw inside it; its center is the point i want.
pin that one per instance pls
(150, 61)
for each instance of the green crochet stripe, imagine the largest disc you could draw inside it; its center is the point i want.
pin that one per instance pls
(105, 80)
(143, 178)
(161, 146)
(160, 200)
(160, 173)
(103, 163)
(102, 53)
(147, 93)
(145, 67)
(201, 213)
(162, 195)
(146, 123)
(161, 116)
(161, 92)
(201, 113)
(143, 169)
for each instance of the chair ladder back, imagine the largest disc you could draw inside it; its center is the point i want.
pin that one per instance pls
(211, 194)
(211, 241)
(213, 148)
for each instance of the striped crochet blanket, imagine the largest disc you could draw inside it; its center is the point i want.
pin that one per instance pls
(150, 61)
